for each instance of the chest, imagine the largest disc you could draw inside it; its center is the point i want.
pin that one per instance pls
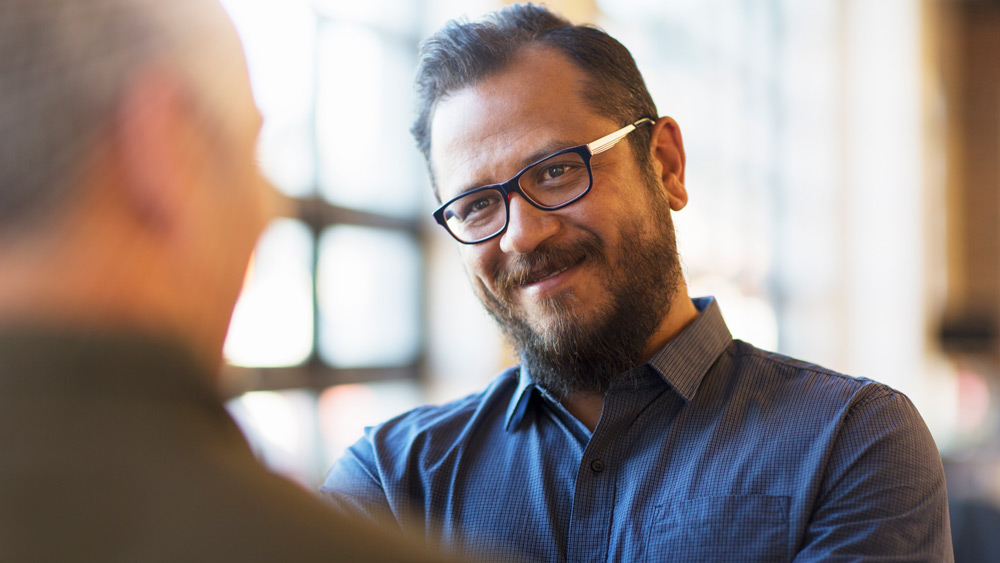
(657, 485)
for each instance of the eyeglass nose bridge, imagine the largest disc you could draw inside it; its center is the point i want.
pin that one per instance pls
(513, 186)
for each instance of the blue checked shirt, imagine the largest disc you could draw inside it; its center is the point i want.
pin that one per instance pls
(712, 451)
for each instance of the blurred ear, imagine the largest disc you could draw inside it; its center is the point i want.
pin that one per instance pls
(668, 150)
(156, 148)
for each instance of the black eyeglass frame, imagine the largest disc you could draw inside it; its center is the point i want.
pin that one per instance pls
(513, 185)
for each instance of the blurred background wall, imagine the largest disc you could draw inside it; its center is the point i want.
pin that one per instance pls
(844, 174)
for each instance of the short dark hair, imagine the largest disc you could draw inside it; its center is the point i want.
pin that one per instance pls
(463, 53)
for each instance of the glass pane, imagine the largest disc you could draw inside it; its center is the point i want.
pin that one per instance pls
(287, 156)
(389, 15)
(280, 42)
(345, 410)
(363, 110)
(369, 284)
(721, 84)
(273, 321)
(281, 427)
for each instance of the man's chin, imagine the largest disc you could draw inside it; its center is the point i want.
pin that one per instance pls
(555, 316)
(552, 307)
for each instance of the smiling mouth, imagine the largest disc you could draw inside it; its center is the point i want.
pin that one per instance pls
(547, 273)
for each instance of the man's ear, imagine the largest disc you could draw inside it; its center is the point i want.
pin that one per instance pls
(152, 132)
(668, 151)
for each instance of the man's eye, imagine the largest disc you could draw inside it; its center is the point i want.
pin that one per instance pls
(479, 204)
(472, 209)
(554, 171)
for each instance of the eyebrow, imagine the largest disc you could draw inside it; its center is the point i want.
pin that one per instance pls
(547, 149)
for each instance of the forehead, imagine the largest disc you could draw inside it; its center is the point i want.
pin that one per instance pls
(487, 132)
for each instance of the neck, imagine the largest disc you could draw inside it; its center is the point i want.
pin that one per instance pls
(96, 312)
(682, 311)
(587, 407)
(99, 286)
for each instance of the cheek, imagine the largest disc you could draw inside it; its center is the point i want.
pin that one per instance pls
(242, 215)
(260, 194)
(480, 263)
(253, 186)
(620, 201)
(594, 217)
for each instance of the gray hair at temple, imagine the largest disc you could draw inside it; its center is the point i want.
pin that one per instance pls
(64, 64)
(463, 53)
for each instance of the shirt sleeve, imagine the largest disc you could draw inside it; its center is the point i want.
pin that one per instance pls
(883, 494)
(353, 486)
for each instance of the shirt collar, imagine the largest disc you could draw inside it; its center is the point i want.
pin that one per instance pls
(518, 404)
(686, 358)
(682, 362)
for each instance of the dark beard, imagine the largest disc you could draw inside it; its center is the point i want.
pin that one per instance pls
(570, 355)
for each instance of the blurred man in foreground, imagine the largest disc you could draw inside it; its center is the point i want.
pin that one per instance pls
(635, 428)
(129, 204)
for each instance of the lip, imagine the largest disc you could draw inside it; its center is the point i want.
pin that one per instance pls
(554, 281)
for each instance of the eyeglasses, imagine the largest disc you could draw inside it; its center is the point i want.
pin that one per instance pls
(551, 183)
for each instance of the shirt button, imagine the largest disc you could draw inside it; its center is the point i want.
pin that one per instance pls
(597, 466)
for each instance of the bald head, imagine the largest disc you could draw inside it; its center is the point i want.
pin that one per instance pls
(129, 191)
(64, 66)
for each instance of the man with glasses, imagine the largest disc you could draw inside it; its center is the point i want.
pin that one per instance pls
(635, 427)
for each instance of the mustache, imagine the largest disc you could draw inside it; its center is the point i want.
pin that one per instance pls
(545, 260)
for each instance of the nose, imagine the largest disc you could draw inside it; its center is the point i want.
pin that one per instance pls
(527, 227)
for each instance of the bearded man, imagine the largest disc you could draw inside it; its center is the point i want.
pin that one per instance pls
(635, 427)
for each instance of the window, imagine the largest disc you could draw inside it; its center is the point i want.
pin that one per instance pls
(334, 291)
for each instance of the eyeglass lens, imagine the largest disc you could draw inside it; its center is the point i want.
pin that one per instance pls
(548, 184)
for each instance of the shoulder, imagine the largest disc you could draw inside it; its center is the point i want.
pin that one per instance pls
(861, 445)
(446, 423)
(272, 519)
(757, 384)
(401, 450)
(252, 514)
(770, 372)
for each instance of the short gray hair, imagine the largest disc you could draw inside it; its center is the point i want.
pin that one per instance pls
(64, 65)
